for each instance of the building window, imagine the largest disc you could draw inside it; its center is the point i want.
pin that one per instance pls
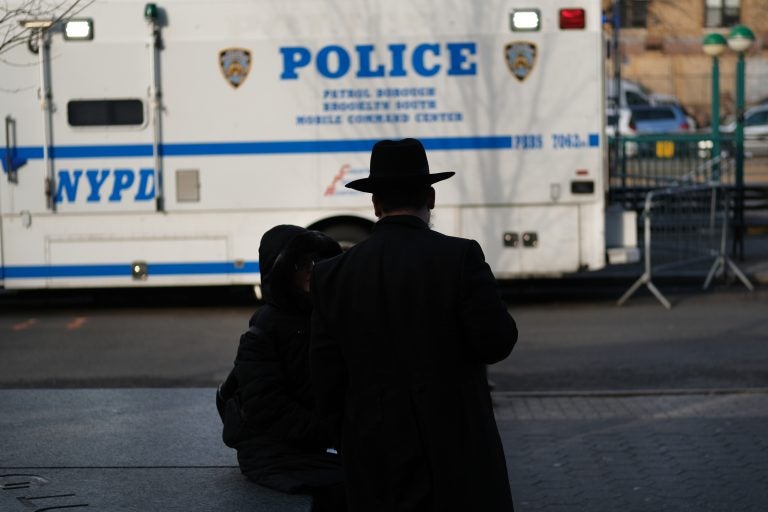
(105, 112)
(722, 13)
(634, 13)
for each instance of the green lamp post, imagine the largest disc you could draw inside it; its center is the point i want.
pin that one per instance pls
(740, 39)
(714, 45)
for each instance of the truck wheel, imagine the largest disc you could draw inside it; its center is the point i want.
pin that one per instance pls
(347, 234)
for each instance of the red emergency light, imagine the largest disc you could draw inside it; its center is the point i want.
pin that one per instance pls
(572, 18)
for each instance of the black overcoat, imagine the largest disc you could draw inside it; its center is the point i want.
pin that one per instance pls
(402, 328)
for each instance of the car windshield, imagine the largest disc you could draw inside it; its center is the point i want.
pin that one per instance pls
(635, 99)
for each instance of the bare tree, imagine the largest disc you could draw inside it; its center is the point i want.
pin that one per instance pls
(13, 12)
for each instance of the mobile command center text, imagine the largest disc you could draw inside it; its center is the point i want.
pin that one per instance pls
(379, 105)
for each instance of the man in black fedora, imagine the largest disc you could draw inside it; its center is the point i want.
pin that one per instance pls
(403, 326)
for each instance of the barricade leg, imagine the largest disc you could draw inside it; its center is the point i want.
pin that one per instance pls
(645, 279)
(739, 274)
(658, 295)
(723, 261)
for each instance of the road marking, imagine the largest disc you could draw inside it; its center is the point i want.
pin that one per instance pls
(76, 323)
(24, 325)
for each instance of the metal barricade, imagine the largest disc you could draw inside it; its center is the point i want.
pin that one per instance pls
(684, 225)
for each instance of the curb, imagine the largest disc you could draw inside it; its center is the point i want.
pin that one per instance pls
(619, 393)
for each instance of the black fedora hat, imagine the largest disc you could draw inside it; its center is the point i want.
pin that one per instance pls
(398, 164)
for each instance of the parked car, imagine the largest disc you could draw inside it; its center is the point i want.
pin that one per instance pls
(659, 119)
(668, 99)
(755, 130)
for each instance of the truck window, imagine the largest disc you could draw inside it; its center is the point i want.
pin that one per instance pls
(105, 112)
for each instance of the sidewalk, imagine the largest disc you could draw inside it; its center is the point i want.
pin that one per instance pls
(142, 450)
(669, 452)
(160, 449)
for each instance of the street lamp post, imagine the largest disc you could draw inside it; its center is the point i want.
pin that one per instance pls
(740, 39)
(714, 46)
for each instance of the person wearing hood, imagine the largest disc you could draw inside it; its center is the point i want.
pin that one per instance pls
(266, 402)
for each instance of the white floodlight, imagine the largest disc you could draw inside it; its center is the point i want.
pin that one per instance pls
(78, 30)
(526, 20)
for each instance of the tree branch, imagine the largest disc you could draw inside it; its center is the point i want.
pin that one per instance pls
(12, 33)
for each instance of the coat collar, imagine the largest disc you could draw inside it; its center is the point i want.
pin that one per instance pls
(391, 221)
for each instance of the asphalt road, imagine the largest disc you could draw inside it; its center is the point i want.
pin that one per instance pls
(573, 338)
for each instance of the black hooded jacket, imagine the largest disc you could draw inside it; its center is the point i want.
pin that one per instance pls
(266, 403)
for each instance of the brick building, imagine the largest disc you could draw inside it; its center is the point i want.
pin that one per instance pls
(660, 43)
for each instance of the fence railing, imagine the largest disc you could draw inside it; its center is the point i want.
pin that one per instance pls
(643, 163)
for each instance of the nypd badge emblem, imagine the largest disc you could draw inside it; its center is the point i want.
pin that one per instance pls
(235, 63)
(521, 57)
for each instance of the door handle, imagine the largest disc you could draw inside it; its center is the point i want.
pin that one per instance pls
(11, 162)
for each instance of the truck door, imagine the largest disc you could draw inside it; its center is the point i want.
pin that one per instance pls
(97, 146)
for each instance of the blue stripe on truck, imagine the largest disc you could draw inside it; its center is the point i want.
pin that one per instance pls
(124, 270)
(254, 148)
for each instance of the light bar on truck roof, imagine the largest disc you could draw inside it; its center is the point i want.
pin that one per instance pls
(78, 30)
(525, 20)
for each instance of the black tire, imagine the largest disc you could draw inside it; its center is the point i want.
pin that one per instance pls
(347, 234)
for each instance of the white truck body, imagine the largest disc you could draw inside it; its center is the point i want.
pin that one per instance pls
(169, 152)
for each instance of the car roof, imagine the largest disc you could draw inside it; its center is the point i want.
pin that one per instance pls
(757, 108)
